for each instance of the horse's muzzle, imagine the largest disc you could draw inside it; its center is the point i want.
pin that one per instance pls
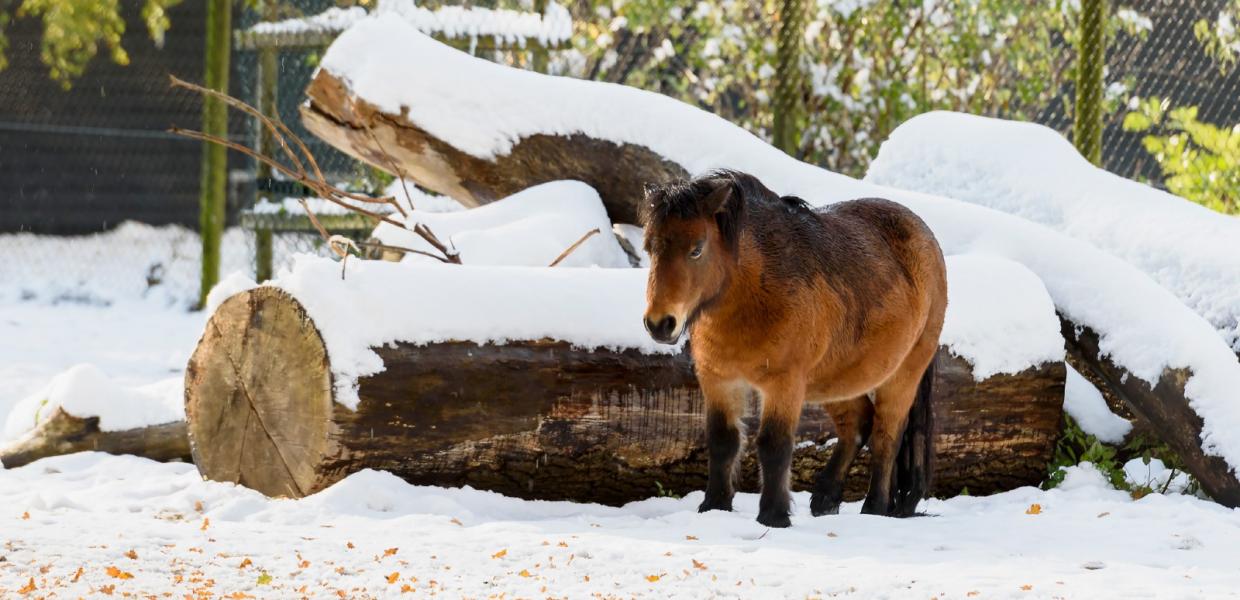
(664, 330)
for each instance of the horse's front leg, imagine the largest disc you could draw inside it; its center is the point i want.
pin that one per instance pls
(724, 406)
(781, 411)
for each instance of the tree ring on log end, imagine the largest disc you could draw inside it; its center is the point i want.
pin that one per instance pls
(258, 395)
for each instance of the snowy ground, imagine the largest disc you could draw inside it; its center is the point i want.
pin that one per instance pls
(87, 524)
(90, 511)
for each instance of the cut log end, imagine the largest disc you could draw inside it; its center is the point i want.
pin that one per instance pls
(258, 395)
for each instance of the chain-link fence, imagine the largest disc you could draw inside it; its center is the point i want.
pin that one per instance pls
(84, 161)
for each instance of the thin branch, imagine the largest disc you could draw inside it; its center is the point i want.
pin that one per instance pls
(395, 168)
(314, 180)
(563, 255)
(401, 249)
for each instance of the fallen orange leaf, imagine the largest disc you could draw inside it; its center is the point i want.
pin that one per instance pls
(390, 551)
(132, 555)
(349, 545)
(587, 578)
(29, 587)
(119, 574)
(26, 516)
(562, 544)
(77, 575)
(974, 593)
(652, 578)
(198, 505)
(406, 588)
(205, 524)
(691, 538)
(456, 521)
(1034, 509)
(107, 589)
(245, 563)
(698, 565)
(500, 554)
(393, 577)
(524, 573)
(1027, 587)
(303, 564)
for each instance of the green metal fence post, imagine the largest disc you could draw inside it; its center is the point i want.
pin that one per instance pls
(789, 82)
(1091, 52)
(214, 183)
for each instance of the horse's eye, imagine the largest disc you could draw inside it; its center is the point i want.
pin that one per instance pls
(697, 249)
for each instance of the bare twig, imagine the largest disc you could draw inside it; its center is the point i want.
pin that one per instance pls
(299, 156)
(400, 173)
(563, 255)
(400, 249)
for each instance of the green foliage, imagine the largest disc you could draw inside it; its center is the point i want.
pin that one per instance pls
(1220, 39)
(75, 31)
(1075, 447)
(1200, 161)
(869, 65)
(662, 492)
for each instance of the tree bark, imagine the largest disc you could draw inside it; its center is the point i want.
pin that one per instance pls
(538, 419)
(63, 433)
(358, 128)
(1161, 408)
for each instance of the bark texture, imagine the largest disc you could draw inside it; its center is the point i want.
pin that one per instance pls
(538, 419)
(63, 433)
(1162, 408)
(357, 127)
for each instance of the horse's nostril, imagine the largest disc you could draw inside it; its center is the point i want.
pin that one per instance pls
(667, 326)
(661, 329)
(649, 325)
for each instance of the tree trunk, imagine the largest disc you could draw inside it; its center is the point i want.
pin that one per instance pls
(617, 171)
(63, 433)
(537, 419)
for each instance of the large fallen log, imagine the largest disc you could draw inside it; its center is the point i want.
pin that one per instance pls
(1157, 409)
(63, 433)
(537, 419)
(618, 169)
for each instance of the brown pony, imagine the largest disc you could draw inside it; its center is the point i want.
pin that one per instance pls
(840, 305)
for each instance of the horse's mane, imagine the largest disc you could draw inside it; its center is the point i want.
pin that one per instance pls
(687, 200)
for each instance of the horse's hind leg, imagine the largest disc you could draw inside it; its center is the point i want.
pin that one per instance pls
(724, 406)
(892, 402)
(853, 419)
(781, 411)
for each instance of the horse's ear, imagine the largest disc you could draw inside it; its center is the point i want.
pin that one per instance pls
(717, 201)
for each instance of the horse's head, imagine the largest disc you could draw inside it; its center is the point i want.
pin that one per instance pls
(691, 236)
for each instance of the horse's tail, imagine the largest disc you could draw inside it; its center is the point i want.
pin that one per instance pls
(915, 460)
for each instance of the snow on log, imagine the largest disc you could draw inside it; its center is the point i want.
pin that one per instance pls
(84, 409)
(1187, 248)
(532, 418)
(478, 130)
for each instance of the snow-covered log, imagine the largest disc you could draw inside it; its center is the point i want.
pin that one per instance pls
(63, 433)
(535, 419)
(469, 128)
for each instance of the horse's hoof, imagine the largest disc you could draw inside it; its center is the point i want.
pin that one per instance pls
(709, 504)
(780, 520)
(874, 508)
(820, 505)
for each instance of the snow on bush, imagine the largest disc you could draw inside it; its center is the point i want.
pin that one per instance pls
(1033, 172)
(530, 228)
(485, 108)
(553, 26)
(85, 391)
